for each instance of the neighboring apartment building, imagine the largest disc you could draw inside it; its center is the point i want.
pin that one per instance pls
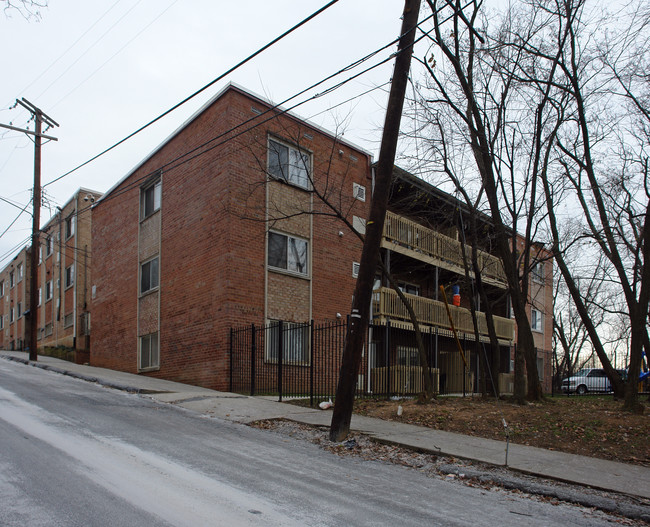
(14, 302)
(230, 221)
(65, 256)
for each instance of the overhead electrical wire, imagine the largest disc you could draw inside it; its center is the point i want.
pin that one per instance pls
(201, 90)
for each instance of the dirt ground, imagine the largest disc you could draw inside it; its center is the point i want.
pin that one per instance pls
(593, 426)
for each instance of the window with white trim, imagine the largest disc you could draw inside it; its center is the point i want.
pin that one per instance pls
(12, 279)
(19, 269)
(49, 246)
(287, 253)
(537, 272)
(40, 296)
(48, 290)
(20, 309)
(355, 269)
(12, 314)
(536, 320)
(2, 322)
(295, 342)
(289, 164)
(68, 320)
(69, 226)
(359, 224)
(149, 353)
(149, 275)
(69, 276)
(150, 198)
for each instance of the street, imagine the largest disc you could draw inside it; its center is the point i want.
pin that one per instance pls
(74, 453)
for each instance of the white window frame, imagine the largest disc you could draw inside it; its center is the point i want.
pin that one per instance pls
(49, 246)
(12, 315)
(291, 262)
(12, 280)
(48, 290)
(409, 288)
(69, 276)
(537, 272)
(150, 198)
(19, 309)
(295, 348)
(149, 352)
(295, 169)
(147, 269)
(70, 226)
(40, 296)
(19, 269)
(536, 320)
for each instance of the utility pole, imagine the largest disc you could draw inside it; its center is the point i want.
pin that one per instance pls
(343, 404)
(39, 119)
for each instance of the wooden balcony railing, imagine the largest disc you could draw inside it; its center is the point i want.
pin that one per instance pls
(427, 242)
(386, 303)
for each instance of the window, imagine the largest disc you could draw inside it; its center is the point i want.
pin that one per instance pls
(49, 246)
(40, 296)
(19, 270)
(537, 272)
(40, 254)
(289, 164)
(12, 279)
(2, 288)
(48, 329)
(295, 342)
(540, 368)
(69, 226)
(68, 320)
(410, 289)
(149, 275)
(69, 276)
(20, 309)
(12, 314)
(359, 192)
(355, 269)
(2, 322)
(150, 198)
(287, 252)
(536, 320)
(149, 357)
(48, 290)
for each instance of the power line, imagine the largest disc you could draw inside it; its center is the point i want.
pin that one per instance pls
(201, 90)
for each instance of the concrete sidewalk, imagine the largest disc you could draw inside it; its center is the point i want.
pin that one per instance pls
(587, 471)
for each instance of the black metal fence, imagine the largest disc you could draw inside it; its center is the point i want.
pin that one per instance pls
(287, 359)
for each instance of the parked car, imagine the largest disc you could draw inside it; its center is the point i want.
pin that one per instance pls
(589, 380)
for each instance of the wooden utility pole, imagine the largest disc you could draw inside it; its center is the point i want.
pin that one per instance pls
(358, 325)
(39, 119)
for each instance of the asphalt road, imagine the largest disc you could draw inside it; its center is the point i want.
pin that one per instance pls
(73, 453)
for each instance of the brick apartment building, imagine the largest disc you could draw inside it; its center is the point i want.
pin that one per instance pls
(64, 279)
(181, 244)
(14, 301)
(231, 221)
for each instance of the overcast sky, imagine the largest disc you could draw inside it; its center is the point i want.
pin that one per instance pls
(102, 69)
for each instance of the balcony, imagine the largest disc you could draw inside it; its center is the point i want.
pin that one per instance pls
(386, 304)
(416, 241)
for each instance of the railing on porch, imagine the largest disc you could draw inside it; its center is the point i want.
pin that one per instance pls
(386, 303)
(423, 240)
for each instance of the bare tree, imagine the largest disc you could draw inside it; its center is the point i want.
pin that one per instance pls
(28, 9)
(472, 111)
